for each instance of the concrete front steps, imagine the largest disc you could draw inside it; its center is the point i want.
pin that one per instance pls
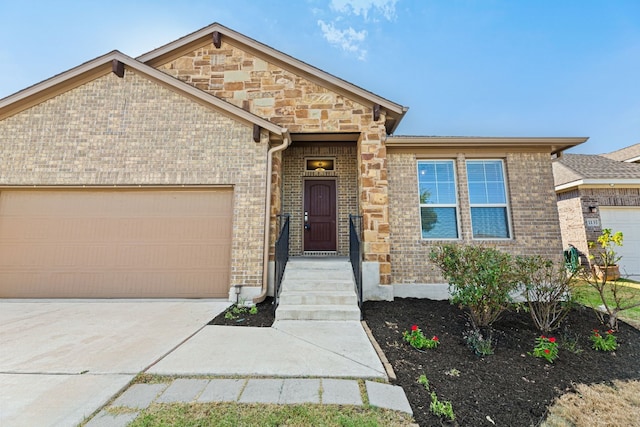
(318, 289)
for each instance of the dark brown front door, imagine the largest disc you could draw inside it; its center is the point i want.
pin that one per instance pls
(319, 215)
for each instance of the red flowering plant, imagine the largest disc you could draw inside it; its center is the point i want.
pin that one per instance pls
(546, 348)
(416, 338)
(608, 342)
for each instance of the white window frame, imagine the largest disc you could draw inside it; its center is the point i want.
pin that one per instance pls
(490, 205)
(456, 206)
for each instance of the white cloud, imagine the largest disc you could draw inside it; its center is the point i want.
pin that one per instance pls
(349, 40)
(349, 14)
(386, 8)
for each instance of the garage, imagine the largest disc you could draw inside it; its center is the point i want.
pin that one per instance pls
(626, 220)
(124, 243)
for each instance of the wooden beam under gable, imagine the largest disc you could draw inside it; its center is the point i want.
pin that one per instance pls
(118, 68)
(217, 39)
(376, 112)
(256, 133)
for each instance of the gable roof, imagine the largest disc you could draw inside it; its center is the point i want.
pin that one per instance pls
(395, 112)
(627, 154)
(105, 64)
(572, 170)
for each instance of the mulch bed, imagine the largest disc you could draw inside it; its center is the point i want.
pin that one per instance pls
(508, 388)
(263, 318)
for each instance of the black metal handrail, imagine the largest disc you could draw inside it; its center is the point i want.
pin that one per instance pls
(282, 256)
(355, 254)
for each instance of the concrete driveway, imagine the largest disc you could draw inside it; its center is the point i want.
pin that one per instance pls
(60, 360)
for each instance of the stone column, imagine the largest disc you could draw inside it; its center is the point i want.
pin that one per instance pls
(374, 198)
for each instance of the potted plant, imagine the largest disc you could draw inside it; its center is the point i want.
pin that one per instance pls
(605, 260)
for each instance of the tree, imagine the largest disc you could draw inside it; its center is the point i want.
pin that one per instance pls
(428, 216)
(615, 296)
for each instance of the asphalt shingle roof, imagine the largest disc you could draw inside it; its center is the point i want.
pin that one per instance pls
(623, 154)
(573, 167)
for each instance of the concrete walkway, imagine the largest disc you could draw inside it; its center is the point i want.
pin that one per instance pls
(61, 361)
(291, 348)
(328, 354)
(281, 391)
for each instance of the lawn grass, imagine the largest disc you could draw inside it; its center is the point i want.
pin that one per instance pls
(617, 404)
(237, 414)
(588, 296)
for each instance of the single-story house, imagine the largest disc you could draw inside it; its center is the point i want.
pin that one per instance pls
(601, 191)
(166, 175)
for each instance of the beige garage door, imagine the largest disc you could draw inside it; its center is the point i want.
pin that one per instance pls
(626, 220)
(115, 244)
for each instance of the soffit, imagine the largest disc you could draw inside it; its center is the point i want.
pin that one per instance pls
(551, 145)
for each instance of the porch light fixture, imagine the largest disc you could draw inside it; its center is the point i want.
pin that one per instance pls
(593, 209)
(319, 165)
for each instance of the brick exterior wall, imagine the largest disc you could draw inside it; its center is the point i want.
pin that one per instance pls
(132, 131)
(573, 207)
(345, 172)
(573, 213)
(532, 202)
(302, 106)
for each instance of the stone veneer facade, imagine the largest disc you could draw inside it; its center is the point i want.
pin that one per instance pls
(302, 106)
(531, 199)
(133, 132)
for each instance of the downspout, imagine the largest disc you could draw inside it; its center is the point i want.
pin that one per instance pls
(286, 138)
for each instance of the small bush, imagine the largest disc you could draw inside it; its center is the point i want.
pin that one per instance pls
(417, 339)
(614, 295)
(238, 310)
(480, 344)
(422, 379)
(547, 290)
(608, 342)
(480, 279)
(441, 409)
(546, 348)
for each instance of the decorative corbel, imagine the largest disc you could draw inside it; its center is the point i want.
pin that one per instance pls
(217, 39)
(256, 133)
(376, 112)
(118, 68)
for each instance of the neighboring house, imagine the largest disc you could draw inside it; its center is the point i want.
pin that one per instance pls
(164, 175)
(601, 191)
(629, 154)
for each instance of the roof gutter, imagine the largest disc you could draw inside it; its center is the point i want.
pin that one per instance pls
(286, 141)
(554, 144)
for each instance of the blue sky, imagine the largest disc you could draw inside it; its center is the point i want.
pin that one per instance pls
(464, 67)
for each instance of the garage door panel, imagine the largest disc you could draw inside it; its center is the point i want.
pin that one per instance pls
(130, 256)
(15, 230)
(626, 220)
(142, 284)
(91, 244)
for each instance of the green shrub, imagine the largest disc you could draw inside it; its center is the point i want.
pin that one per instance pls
(547, 290)
(614, 295)
(440, 408)
(480, 279)
(482, 345)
